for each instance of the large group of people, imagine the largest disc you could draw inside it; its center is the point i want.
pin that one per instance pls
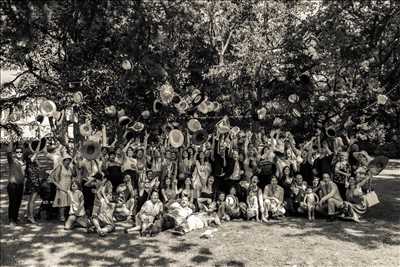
(241, 174)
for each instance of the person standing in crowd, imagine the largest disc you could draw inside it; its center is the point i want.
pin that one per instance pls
(113, 170)
(62, 178)
(331, 202)
(15, 186)
(33, 182)
(342, 173)
(200, 175)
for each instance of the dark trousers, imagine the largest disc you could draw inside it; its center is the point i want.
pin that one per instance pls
(15, 193)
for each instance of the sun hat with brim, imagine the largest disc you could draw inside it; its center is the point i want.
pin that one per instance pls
(157, 105)
(91, 150)
(293, 98)
(176, 138)
(194, 125)
(78, 97)
(362, 154)
(47, 107)
(110, 110)
(123, 121)
(137, 127)
(378, 164)
(85, 129)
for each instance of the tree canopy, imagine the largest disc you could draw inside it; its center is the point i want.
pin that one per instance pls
(250, 54)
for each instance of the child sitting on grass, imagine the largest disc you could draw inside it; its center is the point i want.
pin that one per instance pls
(102, 219)
(252, 206)
(77, 212)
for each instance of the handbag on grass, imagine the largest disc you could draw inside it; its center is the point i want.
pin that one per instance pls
(371, 199)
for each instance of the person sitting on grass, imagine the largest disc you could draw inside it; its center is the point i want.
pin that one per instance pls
(126, 201)
(233, 208)
(331, 202)
(221, 207)
(271, 200)
(103, 219)
(150, 211)
(177, 214)
(252, 205)
(198, 220)
(77, 212)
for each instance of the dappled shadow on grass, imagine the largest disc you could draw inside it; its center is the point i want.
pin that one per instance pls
(116, 249)
(182, 247)
(380, 225)
(231, 263)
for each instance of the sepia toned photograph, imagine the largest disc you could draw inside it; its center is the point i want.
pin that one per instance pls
(215, 133)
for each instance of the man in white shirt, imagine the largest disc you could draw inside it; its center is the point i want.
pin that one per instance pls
(177, 214)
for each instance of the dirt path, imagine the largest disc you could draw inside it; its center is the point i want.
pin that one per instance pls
(293, 242)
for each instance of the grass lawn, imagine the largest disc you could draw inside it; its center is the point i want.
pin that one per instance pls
(292, 242)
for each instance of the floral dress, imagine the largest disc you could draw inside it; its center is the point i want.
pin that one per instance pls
(33, 180)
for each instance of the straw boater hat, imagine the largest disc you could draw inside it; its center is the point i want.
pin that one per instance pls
(223, 126)
(293, 98)
(85, 129)
(194, 125)
(110, 110)
(47, 107)
(91, 150)
(78, 97)
(123, 120)
(176, 138)
(197, 97)
(157, 105)
(166, 93)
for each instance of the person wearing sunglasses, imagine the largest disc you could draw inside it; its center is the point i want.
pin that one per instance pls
(16, 178)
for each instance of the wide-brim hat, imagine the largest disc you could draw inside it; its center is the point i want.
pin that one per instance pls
(199, 137)
(91, 150)
(176, 138)
(362, 154)
(223, 126)
(166, 94)
(197, 97)
(293, 98)
(47, 107)
(378, 164)
(123, 121)
(77, 97)
(182, 106)
(157, 105)
(194, 125)
(217, 107)
(110, 110)
(203, 108)
(137, 127)
(85, 129)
